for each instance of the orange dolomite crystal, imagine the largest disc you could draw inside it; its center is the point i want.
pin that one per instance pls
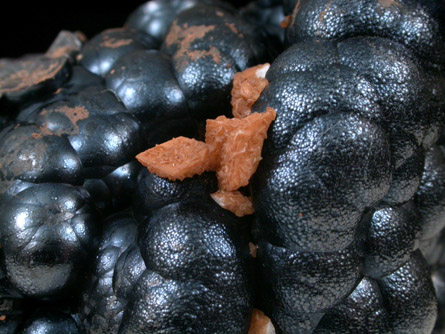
(217, 132)
(232, 146)
(176, 159)
(234, 201)
(247, 88)
(241, 152)
(260, 323)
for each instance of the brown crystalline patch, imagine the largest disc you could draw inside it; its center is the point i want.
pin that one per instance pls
(247, 88)
(2, 317)
(260, 323)
(21, 74)
(176, 159)
(219, 13)
(183, 37)
(74, 115)
(114, 43)
(217, 131)
(234, 201)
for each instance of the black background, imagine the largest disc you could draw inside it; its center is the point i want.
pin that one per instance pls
(30, 28)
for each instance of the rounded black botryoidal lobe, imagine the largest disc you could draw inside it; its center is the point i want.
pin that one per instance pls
(363, 310)
(29, 156)
(410, 294)
(393, 234)
(208, 45)
(199, 276)
(403, 301)
(406, 178)
(11, 305)
(50, 323)
(311, 196)
(406, 22)
(300, 97)
(47, 234)
(155, 17)
(117, 268)
(153, 192)
(145, 83)
(97, 125)
(378, 63)
(191, 242)
(297, 287)
(100, 53)
(381, 80)
(188, 271)
(430, 198)
(167, 306)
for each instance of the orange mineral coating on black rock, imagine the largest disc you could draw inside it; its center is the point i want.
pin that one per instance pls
(184, 36)
(113, 43)
(21, 74)
(75, 115)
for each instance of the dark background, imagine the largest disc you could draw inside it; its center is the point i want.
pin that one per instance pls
(30, 28)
